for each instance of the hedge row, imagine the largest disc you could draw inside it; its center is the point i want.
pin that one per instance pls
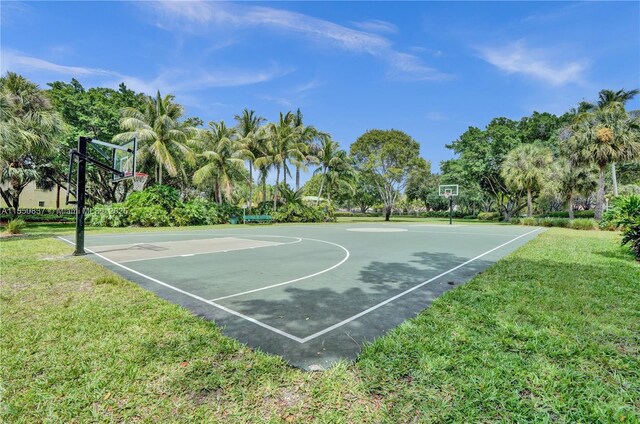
(159, 206)
(576, 224)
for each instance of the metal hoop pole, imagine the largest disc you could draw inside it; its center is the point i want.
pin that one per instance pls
(450, 210)
(80, 195)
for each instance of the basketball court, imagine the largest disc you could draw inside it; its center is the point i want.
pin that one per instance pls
(313, 294)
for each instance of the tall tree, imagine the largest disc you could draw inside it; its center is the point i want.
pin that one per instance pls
(571, 180)
(95, 113)
(162, 138)
(615, 99)
(390, 156)
(253, 142)
(304, 134)
(526, 168)
(335, 167)
(222, 157)
(29, 127)
(283, 147)
(603, 136)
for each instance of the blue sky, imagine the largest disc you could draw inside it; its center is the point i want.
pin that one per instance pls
(431, 69)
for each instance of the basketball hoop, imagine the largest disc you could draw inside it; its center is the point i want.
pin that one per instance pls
(139, 180)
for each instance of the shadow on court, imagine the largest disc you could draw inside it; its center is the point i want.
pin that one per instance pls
(307, 311)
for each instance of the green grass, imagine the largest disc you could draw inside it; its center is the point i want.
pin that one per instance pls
(549, 334)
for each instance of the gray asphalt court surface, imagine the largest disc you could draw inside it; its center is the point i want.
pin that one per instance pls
(313, 294)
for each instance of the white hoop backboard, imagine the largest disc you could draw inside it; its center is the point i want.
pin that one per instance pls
(448, 190)
(124, 160)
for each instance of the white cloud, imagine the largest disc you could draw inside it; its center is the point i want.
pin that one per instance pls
(174, 80)
(227, 16)
(376, 25)
(537, 63)
(435, 116)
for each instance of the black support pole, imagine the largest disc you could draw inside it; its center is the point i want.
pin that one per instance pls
(450, 210)
(80, 193)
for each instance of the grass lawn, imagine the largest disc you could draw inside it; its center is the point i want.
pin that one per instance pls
(549, 334)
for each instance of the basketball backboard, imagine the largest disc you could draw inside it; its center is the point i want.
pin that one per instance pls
(124, 160)
(448, 190)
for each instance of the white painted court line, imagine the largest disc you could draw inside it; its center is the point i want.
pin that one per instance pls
(297, 279)
(399, 295)
(231, 311)
(211, 252)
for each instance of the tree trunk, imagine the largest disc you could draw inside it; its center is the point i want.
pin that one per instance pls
(320, 192)
(275, 189)
(387, 213)
(297, 178)
(250, 186)
(614, 179)
(160, 174)
(264, 190)
(529, 204)
(600, 195)
(58, 198)
(570, 207)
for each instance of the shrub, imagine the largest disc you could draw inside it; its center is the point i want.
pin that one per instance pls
(221, 213)
(294, 212)
(488, 216)
(583, 224)
(515, 221)
(116, 215)
(194, 212)
(158, 195)
(565, 214)
(470, 217)
(529, 221)
(553, 222)
(632, 238)
(16, 226)
(623, 212)
(149, 216)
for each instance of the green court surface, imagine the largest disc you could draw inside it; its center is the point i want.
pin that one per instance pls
(310, 293)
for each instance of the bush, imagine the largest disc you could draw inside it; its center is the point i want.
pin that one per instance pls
(295, 212)
(529, 221)
(16, 226)
(623, 212)
(470, 217)
(158, 195)
(515, 221)
(149, 216)
(583, 224)
(116, 215)
(632, 238)
(565, 214)
(553, 222)
(195, 212)
(488, 216)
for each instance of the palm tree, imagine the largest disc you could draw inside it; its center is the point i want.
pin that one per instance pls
(334, 164)
(571, 180)
(526, 168)
(252, 141)
(28, 130)
(283, 146)
(304, 136)
(223, 160)
(161, 137)
(603, 136)
(615, 99)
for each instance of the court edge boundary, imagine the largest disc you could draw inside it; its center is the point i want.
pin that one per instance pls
(321, 332)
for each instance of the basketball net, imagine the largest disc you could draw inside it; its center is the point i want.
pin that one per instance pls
(139, 180)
